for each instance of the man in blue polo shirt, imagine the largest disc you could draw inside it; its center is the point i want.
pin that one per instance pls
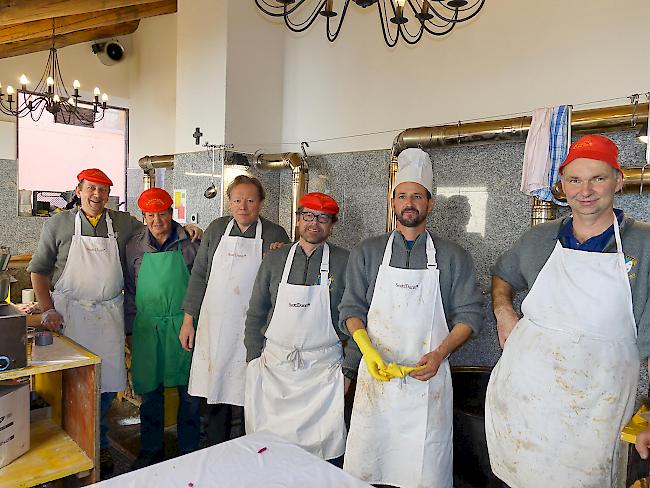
(566, 382)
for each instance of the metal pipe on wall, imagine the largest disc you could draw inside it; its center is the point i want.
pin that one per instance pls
(606, 119)
(299, 178)
(149, 164)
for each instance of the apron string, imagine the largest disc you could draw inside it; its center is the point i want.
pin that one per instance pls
(295, 356)
(229, 227)
(287, 264)
(431, 252)
(109, 225)
(388, 251)
(325, 266)
(258, 229)
(617, 236)
(77, 223)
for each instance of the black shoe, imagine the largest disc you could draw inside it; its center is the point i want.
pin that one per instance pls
(147, 458)
(106, 465)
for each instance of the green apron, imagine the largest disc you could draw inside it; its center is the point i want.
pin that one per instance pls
(157, 355)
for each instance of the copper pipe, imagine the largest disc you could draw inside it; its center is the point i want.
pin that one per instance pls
(299, 179)
(542, 211)
(149, 164)
(516, 129)
(606, 119)
(392, 173)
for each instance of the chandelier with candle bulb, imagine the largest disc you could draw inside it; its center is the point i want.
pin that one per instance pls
(435, 17)
(52, 95)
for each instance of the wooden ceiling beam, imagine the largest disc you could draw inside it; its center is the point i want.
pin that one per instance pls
(71, 23)
(19, 11)
(19, 48)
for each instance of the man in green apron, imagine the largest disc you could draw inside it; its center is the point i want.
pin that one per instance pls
(159, 260)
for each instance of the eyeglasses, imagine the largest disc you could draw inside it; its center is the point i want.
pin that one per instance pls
(320, 218)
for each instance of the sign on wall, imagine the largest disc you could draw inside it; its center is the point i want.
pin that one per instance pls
(180, 206)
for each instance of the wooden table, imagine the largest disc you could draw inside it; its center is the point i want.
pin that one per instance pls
(67, 376)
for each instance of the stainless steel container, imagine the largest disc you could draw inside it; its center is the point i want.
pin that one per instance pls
(13, 336)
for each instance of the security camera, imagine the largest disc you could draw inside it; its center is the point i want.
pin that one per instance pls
(110, 52)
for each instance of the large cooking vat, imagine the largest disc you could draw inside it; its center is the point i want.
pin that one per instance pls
(471, 461)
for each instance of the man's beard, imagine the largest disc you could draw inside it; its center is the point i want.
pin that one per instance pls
(414, 221)
(314, 239)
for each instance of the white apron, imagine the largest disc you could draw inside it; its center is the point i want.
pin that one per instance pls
(566, 382)
(218, 370)
(401, 430)
(88, 295)
(295, 388)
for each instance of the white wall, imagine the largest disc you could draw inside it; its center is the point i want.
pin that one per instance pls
(246, 80)
(254, 78)
(513, 57)
(152, 89)
(201, 44)
(7, 140)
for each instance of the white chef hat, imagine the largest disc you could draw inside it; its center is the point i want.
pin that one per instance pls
(414, 165)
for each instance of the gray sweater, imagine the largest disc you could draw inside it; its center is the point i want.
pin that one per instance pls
(139, 244)
(210, 241)
(304, 271)
(461, 298)
(520, 265)
(54, 245)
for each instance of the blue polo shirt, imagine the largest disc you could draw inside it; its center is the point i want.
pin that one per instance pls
(593, 244)
(169, 242)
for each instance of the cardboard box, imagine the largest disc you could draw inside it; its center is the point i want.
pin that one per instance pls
(14, 421)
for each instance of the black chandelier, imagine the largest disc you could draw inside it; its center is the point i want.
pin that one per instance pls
(437, 17)
(52, 95)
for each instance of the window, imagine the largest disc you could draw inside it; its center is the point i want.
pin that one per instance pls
(51, 154)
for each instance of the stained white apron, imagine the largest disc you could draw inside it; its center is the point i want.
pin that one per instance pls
(218, 370)
(295, 388)
(88, 295)
(566, 382)
(401, 430)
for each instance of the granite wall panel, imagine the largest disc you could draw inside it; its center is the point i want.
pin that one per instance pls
(479, 204)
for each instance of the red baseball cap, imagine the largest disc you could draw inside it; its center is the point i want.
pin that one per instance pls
(319, 201)
(595, 147)
(154, 200)
(95, 175)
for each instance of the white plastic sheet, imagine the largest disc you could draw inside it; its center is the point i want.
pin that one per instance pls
(239, 463)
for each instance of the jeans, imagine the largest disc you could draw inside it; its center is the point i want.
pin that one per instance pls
(152, 421)
(104, 406)
(225, 422)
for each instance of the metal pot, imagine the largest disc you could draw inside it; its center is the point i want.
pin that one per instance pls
(5, 281)
(471, 460)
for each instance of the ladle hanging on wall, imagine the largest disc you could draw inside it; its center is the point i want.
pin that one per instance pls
(211, 191)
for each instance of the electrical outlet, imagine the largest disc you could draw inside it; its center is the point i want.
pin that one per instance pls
(194, 218)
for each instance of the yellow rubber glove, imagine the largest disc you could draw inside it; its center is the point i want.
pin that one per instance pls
(373, 359)
(394, 370)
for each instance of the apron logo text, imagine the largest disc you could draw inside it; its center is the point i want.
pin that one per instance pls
(299, 305)
(237, 255)
(407, 286)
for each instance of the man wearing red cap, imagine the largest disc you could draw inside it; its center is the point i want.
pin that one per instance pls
(159, 259)
(295, 378)
(566, 382)
(81, 254)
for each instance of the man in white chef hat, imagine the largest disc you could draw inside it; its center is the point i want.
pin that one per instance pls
(410, 300)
